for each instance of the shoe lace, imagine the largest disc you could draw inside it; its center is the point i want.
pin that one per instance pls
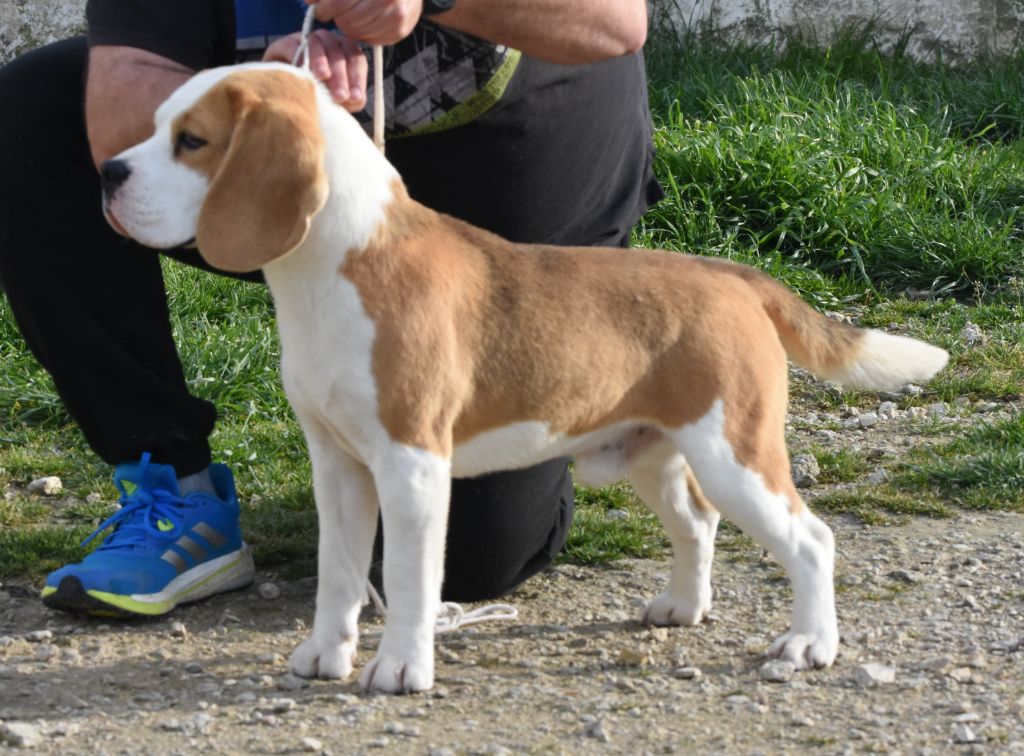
(136, 519)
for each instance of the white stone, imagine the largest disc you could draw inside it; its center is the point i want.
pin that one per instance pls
(877, 476)
(269, 591)
(311, 745)
(867, 419)
(962, 733)
(805, 470)
(972, 334)
(51, 485)
(888, 410)
(20, 734)
(777, 671)
(687, 673)
(875, 674)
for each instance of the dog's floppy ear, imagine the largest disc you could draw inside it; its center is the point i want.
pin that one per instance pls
(269, 185)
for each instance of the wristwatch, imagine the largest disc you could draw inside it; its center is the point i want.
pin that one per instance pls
(433, 7)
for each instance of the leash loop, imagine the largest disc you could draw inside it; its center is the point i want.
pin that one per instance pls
(301, 56)
(452, 616)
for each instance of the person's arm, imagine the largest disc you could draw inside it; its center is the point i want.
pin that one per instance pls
(124, 87)
(557, 31)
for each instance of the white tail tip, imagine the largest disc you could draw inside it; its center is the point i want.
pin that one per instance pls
(886, 361)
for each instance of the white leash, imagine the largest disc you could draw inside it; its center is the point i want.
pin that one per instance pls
(451, 616)
(301, 59)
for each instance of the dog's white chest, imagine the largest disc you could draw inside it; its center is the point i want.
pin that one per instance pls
(326, 353)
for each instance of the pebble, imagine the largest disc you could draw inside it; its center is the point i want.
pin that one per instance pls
(910, 577)
(962, 733)
(875, 674)
(687, 673)
(805, 470)
(777, 671)
(20, 734)
(971, 334)
(281, 705)
(598, 730)
(311, 745)
(269, 591)
(39, 636)
(50, 485)
(878, 476)
(289, 681)
(888, 410)
(867, 419)
(961, 674)
(178, 630)
(194, 668)
(617, 514)
(937, 410)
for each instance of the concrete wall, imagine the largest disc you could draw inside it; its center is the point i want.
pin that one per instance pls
(957, 28)
(25, 24)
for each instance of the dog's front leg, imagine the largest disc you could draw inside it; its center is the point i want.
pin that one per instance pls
(413, 486)
(346, 503)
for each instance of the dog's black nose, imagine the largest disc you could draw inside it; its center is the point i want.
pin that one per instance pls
(113, 173)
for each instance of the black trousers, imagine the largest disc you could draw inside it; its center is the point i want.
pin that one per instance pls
(93, 310)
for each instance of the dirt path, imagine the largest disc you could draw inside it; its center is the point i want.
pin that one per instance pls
(938, 603)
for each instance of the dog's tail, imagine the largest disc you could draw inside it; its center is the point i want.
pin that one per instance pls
(840, 352)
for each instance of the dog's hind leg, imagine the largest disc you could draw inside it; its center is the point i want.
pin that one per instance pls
(663, 480)
(346, 503)
(414, 486)
(757, 494)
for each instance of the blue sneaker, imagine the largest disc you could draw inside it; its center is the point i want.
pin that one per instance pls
(166, 549)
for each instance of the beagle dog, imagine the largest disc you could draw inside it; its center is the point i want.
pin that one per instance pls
(417, 348)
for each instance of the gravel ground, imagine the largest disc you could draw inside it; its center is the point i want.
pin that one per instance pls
(932, 660)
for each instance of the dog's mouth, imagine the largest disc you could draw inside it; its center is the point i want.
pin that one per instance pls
(112, 220)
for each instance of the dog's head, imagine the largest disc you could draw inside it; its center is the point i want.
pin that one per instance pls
(236, 164)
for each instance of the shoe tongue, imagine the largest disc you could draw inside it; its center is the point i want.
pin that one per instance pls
(146, 475)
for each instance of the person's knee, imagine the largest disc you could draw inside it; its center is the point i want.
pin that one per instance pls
(505, 528)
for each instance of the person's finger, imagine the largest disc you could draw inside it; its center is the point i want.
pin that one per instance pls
(283, 49)
(357, 70)
(319, 63)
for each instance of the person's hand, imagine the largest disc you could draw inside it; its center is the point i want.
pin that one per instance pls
(379, 22)
(333, 59)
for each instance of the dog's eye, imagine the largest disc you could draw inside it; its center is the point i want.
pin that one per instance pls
(190, 142)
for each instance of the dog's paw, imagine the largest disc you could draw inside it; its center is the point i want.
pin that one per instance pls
(328, 661)
(392, 673)
(806, 650)
(667, 610)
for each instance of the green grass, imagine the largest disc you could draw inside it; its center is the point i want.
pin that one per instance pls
(842, 170)
(982, 469)
(849, 174)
